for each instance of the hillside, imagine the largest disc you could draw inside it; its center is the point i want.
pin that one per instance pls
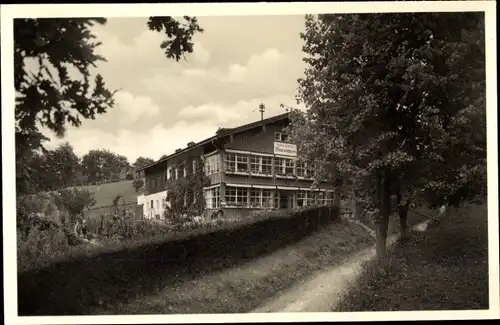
(105, 193)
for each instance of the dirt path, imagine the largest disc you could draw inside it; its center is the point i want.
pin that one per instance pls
(236, 289)
(323, 290)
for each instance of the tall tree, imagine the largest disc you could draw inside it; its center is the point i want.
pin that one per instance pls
(99, 165)
(59, 89)
(386, 94)
(142, 162)
(138, 177)
(64, 164)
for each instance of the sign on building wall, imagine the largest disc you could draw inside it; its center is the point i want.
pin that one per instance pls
(285, 149)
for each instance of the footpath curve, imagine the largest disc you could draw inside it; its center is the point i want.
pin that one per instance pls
(322, 291)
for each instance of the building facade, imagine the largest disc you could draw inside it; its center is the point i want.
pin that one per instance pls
(248, 169)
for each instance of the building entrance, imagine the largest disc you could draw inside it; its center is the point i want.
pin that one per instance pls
(286, 200)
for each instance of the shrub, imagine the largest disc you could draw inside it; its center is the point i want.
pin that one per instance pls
(40, 247)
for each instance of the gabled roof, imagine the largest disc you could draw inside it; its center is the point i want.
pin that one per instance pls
(222, 132)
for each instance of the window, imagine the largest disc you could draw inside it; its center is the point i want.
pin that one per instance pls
(256, 198)
(261, 165)
(301, 199)
(152, 204)
(242, 163)
(157, 204)
(184, 170)
(279, 164)
(284, 166)
(301, 169)
(276, 199)
(230, 162)
(267, 165)
(208, 198)
(237, 196)
(212, 198)
(306, 198)
(311, 198)
(267, 198)
(256, 164)
(194, 166)
(289, 167)
(176, 172)
(185, 199)
(261, 198)
(281, 137)
(170, 173)
(212, 164)
(321, 198)
(236, 163)
(311, 170)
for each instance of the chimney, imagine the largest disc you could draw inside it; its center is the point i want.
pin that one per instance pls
(177, 150)
(190, 144)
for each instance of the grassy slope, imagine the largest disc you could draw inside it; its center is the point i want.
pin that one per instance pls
(247, 286)
(105, 193)
(444, 268)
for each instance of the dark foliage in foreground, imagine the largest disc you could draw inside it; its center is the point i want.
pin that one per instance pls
(444, 268)
(75, 287)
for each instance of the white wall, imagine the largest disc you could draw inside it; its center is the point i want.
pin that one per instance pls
(158, 199)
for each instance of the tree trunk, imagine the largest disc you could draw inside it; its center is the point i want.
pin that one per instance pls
(403, 215)
(403, 220)
(382, 224)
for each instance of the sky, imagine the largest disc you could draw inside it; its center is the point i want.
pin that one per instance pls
(161, 105)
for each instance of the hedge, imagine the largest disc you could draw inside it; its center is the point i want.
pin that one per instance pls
(81, 284)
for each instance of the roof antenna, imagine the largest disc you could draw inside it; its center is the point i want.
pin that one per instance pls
(262, 108)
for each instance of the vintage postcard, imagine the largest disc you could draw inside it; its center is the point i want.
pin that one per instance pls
(249, 162)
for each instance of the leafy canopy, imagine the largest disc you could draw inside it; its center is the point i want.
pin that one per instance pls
(394, 92)
(54, 84)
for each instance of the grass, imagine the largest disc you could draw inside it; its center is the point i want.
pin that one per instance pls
(444, 268)
(242, 288)
(104, 195)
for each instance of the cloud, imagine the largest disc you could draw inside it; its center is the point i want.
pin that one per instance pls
(131, 108)
(159, 140)
(235, 114)
(163, 104)
(200, 53)
(193, 123)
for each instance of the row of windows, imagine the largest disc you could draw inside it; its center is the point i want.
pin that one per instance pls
(264, 165)
(172, 173)
(178, 171)
(263, 198)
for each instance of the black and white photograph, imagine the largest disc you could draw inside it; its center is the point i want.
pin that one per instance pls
(282, 162)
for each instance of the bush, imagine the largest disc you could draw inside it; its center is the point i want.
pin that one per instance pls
(40, 247)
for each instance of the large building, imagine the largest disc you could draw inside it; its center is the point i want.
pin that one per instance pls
(247, 168)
